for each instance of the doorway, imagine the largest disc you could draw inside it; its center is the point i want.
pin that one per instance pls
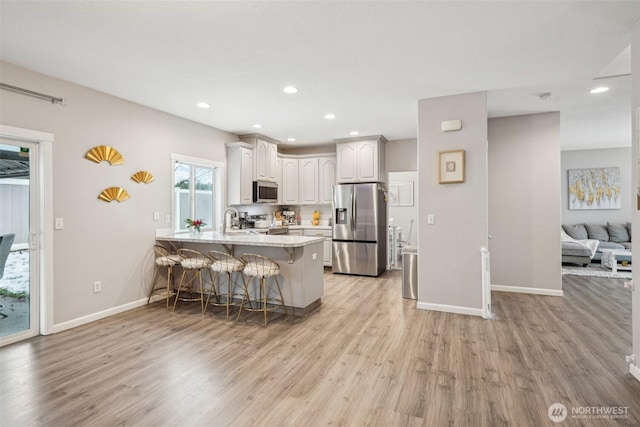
(19, 300)
(26, 218)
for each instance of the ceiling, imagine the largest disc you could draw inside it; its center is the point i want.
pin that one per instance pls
(366, 62)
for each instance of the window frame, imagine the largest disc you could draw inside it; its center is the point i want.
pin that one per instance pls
(218, 189)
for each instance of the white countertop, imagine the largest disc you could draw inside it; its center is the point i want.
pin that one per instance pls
(273, 240)
(310, 227)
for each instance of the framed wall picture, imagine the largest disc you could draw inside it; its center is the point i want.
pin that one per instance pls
(450, 166)
(401, 194)
(595, 188)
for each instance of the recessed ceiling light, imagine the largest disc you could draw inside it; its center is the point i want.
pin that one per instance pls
(290, 89)
(291, 139)
(599, 89)
(256, 125)
(354, 133)
(330, 116)
(203, 104)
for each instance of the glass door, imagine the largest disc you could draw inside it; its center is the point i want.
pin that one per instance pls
(18, 240)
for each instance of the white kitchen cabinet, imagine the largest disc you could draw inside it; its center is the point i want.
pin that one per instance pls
(265, 156)
(239, 173)
(290, 180)
(346, 161)
(327, 247)
(308, 170)
(317, 177)
(326, 180)
(262, 166)
(272, 155)
(360, 159)
(326, 244)
(279, 178)
(368, 159)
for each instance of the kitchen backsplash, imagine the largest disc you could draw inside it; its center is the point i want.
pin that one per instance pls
(305, 212)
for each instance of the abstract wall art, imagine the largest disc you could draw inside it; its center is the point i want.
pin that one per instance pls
(595, 188)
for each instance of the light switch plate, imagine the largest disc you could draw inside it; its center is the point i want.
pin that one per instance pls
(156, 216)
(167, 219)
(59, 224)
(431, 219)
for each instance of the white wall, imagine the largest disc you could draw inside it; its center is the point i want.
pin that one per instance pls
(581, 159)
(524, 197)
(635, 239)
(450, 274)
(402, 215)
(401, 155)
(110, 242)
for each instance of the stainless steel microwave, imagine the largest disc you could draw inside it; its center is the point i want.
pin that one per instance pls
(265, 192)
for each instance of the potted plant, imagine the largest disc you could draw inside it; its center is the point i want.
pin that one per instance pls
(195, 224)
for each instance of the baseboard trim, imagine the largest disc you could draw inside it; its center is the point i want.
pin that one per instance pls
(450, 309)
(634, 370)
(102, 314)
(523, 290)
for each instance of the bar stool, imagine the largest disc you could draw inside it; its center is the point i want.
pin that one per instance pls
(226, 264)
(192, 263)
(168, 259)
(258, 266)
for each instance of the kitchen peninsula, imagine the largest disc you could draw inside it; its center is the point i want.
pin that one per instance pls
(299, 257)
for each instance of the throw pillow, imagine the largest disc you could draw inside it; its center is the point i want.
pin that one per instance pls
(629, 228)
(618, 233)
(597, 232)
(577, 231)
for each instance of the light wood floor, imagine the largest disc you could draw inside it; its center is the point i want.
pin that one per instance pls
(365, 357)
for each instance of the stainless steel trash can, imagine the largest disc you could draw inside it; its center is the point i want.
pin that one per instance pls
(410, 272)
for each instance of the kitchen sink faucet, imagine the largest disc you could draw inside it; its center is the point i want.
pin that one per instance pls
(225, 225)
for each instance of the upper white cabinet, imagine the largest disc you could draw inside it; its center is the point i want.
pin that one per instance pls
(360, 159)
(327, 178)
(239, 173)
(272, 162)
(279, 178)
(289, 180)
(317, 176)
(265, 156)
(347, 163)
(308, 172)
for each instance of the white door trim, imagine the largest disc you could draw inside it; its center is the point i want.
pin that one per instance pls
(45, 215)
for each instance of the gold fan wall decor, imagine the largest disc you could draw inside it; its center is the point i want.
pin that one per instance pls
(114, 193)
(104, 153)
(142, 176)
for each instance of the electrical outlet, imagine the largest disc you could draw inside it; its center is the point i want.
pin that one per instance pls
(314, 256)
(156, 216)
(167, 219)
(97, 287)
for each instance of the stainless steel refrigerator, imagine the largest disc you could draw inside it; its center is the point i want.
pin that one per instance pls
(360, 229)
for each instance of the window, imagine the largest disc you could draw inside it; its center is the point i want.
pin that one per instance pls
(197, 192)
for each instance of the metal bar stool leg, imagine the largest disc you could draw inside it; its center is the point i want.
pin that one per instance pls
(263, 291)
(246, 296)
(153, 283)
(213, 289)
(178, 291)
(284, 309)
(169, 274)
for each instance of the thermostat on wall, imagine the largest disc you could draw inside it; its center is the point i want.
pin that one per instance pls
(451, 125)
